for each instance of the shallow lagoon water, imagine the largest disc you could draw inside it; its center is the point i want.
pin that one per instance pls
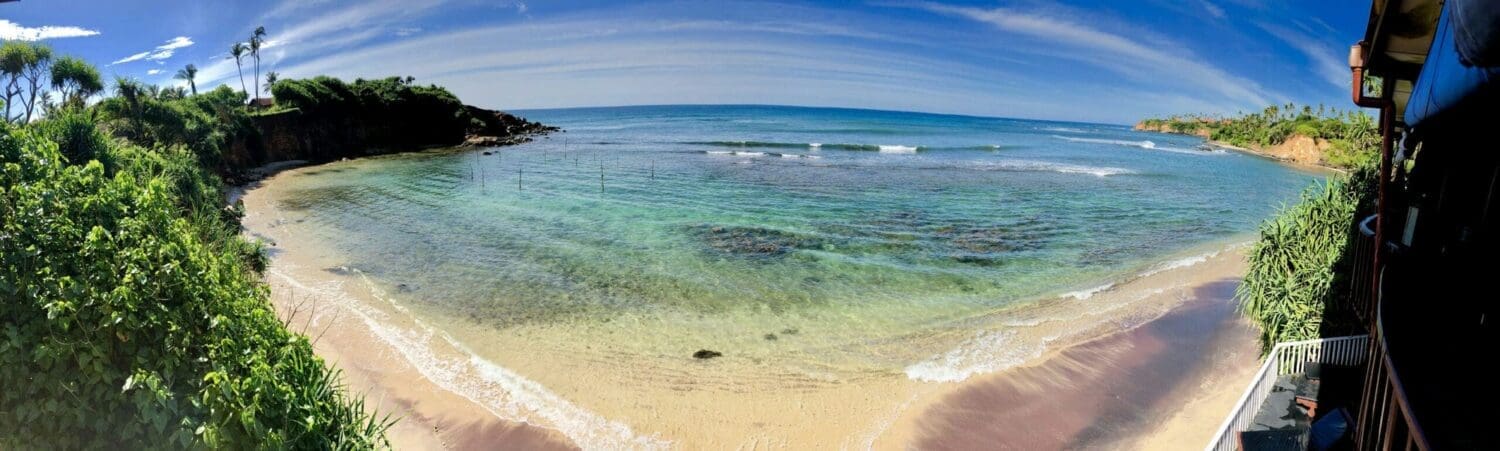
(804, 239)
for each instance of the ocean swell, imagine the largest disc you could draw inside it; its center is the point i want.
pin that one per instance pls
(1148, 145)
(1047, 166)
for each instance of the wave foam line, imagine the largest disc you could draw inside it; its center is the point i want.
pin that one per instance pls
(485, 383)
(1047, 166)
(1088, 293)
(989, 352)
(1148, 145)
(810, 146)
(986, 352)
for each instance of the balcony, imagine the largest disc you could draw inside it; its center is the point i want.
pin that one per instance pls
(1422, 379)
(1274, 411)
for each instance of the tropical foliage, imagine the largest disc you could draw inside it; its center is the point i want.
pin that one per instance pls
(1352, 135)
(75, 80)
(24, 67)
(394, 112)
(1297, 285)
(131, 312)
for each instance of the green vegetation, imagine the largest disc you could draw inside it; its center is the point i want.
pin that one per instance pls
(1297, 285)
(257, 39)
(400, 113)
(24, 67)
(189, 74)
(1352, 136)
(237, 51)
(75, 80)
(131, 311)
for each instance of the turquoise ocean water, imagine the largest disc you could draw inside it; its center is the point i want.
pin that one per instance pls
(778, 220)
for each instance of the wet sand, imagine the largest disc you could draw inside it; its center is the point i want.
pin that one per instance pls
(1157, 356)
(429, 415)
(1158, 386)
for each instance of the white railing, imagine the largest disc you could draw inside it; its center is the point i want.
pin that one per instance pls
(1286, 358)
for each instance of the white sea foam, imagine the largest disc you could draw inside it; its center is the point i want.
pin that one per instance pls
(1148, 145)
(1088, 293)
(1181, 263)
(719, 152)
(897, 149)
(750, 154)
(1064, 130)
(815, 146)
(1047, 166)
(502, 392)
(986, 352)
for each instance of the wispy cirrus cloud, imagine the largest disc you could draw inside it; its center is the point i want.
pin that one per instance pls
(1322, 59)
(160, 53)
(1116, 52)
(12, 31)
(1212, 9)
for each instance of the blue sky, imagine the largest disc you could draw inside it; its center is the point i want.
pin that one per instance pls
(1085, 60)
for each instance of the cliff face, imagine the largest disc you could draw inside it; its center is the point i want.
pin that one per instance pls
(296, 135)
(1300, 149)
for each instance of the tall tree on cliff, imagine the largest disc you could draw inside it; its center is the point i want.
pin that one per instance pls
(24, 62)
(190, 75)
(238, 52)
(256, 39)
(13, 57)
(75, 80)
(270, 80)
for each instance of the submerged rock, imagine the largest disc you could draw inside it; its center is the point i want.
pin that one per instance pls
(754, 241)
(707, 354)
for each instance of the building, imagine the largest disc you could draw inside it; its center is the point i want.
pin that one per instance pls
(1425, 377)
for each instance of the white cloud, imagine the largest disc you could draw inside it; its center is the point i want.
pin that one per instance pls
(408, 31)
(1213, 10)
(1324, 61)
(161, 52)
(153, 71)
(135, 57)
(1153, 62)
(14, 31)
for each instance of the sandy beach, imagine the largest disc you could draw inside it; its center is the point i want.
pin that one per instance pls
(1151, 362)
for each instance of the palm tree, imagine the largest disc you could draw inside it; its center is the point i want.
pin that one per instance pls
(270, 80)
(238, 52)
(256, 39)
(189, 73)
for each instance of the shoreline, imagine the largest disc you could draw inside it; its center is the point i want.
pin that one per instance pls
(383, 356)
(1269, 156)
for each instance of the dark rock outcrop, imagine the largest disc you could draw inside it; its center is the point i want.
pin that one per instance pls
(328, 136)
(707, 354)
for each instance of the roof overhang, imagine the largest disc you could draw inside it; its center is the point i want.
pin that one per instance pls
(1397, 40)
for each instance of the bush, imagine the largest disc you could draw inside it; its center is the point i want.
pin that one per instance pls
(75, 134)
(1297, 283)
(122, 327)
